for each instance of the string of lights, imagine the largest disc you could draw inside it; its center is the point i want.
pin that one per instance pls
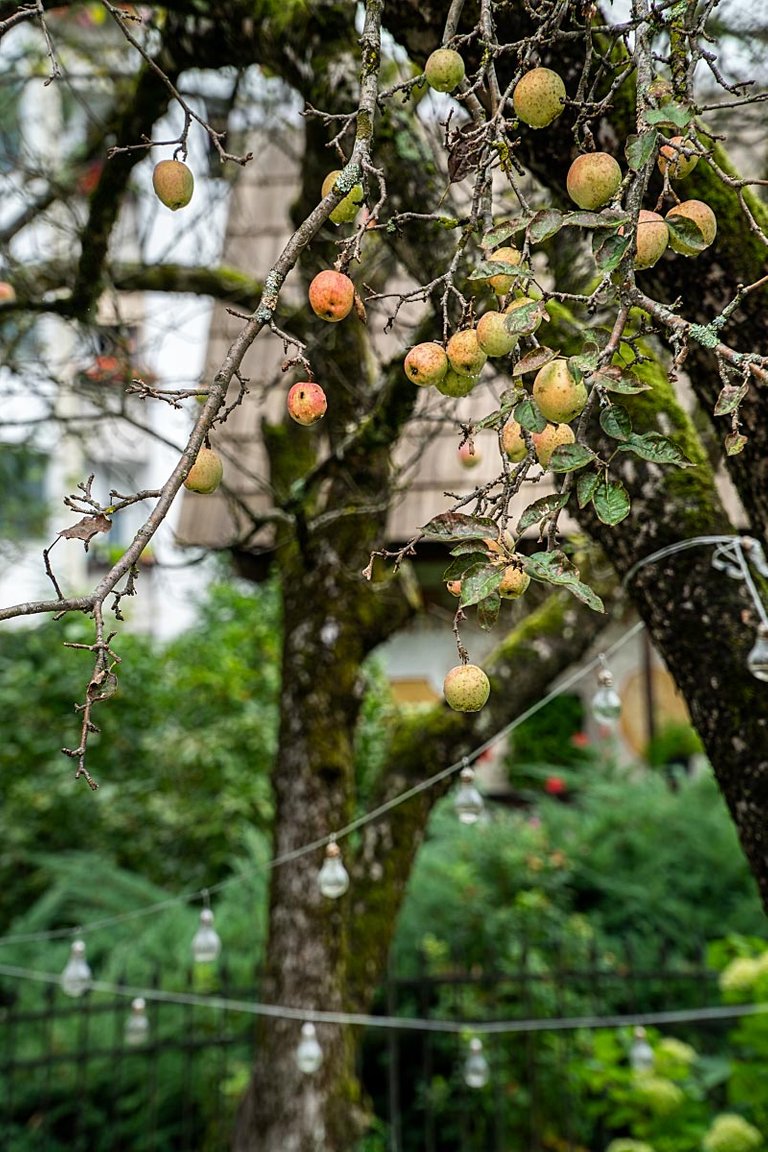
(403, 1023)
(332, 838)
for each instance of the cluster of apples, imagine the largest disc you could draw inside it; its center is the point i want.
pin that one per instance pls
(514, 578)
(455, 369)
(594, 178)
(331, 298)
(561, 397)
(593, 181)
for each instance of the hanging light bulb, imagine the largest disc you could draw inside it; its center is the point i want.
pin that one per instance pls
(136, 1028)
(757, 661)
(606, 702)
(476, 1070)
(309, 1054)
(333, 877)
(76, 977)
(468, 802)
(641, 1058)
(206, 943)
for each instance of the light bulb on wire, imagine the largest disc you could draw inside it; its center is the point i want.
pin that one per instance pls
(333, 878)
(309, 1054)
(206, 944)
(476, 1070)
(757, 661)
(76, 978)
(467, 801)
(606, 702)
(136, 1028)
(641, 1058)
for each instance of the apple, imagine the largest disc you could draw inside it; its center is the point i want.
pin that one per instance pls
(173, 183)
(551, 437)
(331, 295)
(426, 363)
(593, 179)
(702, 215)
(652, 238)
(514, 581)
(502, 281)
(673, 159)
(468, 455)
(444, 70)
(512, 441)
(347, 209)
(539, 97)
(455, 384)
(306, 402)
(559, 395)
(466, 688)
(464, 353)
(206, 472)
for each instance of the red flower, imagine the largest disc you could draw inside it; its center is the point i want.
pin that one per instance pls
(555, 785)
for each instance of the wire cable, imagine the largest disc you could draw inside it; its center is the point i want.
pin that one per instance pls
(403, 1023)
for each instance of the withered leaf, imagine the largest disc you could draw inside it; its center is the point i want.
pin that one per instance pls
(359, 306)
(465, 149)
(87, 528)
(102, 686)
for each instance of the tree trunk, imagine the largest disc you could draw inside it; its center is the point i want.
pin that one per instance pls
(285, 1109)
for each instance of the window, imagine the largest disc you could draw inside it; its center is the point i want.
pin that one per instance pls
(23, 508)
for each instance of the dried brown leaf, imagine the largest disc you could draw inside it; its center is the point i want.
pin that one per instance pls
(87, 528)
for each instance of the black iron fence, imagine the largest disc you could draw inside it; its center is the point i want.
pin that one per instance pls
(72, 1078)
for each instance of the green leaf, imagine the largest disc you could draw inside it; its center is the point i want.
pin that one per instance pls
(525, 319)
(488, 268)
(669, 116)
(585, 487)
(686, 231)
(467, 548)
(610, 251)
(479, 583)
(731, 395)
(528, 415)
(585, 362)
(734, 443)
(595, 220)
(610, 501)
(555, 568)
(639, 149)
(541, 508)
(502, 232)
(488, 611)
(570, 457)
(495, 419)
(656, 448)
(455, 526)
(619, 380)
(533, 360)
(459, 567)
(615, 421)
(545, 224)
